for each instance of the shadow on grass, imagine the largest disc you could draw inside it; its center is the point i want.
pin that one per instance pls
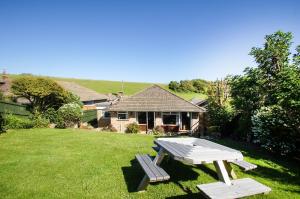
(177, 171)
(289, 172)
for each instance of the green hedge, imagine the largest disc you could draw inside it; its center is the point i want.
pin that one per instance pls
(14, 109)
(89, 115)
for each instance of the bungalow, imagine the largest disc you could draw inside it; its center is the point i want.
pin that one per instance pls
(156, 106)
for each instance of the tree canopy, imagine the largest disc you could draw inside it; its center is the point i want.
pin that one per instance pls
(42, 93)
(268, 96)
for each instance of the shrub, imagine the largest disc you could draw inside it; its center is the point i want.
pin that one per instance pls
(110, 128)
(16, 122)
(272, 130)
(69, 115)
(2, 124)
(39, 121)
(51, 114)
(133, 128)
(158, 130)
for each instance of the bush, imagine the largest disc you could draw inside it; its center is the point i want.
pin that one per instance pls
(2, 124)
(16, 122)
(133, 128)
(40, 122)
(158, 130)
(110, 128)
(69, 115)
(52, 115)
(272, 130)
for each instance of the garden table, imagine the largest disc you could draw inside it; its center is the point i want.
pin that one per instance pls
(199, 151)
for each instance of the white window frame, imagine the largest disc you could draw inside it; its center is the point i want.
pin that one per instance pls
(122, 112)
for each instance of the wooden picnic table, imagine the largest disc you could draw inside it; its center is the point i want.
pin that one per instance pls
(200, 151)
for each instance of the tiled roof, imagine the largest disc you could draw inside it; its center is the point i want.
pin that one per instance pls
(84, 93)
(155, 98)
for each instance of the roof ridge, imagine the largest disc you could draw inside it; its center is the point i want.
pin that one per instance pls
(179, 97)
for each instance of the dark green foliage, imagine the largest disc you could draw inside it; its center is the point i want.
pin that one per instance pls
(132, 128)
(17, 122)
(40, 121)
(196, 85)
(173, 85)
(42, 93)
(2, 124)
(270, 95)
(89, 115)
(272, 130)
(1, 95)
(219, 110)
(52, 115)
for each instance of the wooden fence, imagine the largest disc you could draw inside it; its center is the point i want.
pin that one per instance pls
(89, 115)
(14, 109)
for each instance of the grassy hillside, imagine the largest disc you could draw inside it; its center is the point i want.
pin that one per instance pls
(103, 86)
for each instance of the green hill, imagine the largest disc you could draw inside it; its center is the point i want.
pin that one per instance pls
(105, 87)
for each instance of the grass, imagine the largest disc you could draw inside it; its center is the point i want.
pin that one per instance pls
(130, 88)
(53, 163)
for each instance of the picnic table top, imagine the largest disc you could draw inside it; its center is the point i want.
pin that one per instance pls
(197, 151)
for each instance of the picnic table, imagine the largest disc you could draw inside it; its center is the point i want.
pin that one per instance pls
(196, 151)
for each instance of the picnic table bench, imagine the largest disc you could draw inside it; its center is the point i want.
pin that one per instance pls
(200, 151)
(153, 173)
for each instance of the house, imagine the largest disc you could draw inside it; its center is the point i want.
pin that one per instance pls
(156, 106)
(91, 100)
(200, 102)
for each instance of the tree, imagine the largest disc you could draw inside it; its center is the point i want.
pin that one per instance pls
(42, 93)
(219, 109)
(271, 59)
(174, 85)
(268, 97)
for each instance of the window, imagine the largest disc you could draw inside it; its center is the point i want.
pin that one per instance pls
(122, 115)
(170, 118)
(142, 118)
(106, 114)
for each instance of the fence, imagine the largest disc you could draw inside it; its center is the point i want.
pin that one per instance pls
(89, 115)
(13, 108)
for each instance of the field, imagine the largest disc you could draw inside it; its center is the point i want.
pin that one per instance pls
(105, 87)
(53, 163)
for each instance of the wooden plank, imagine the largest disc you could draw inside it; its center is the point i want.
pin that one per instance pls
(154, 172)
(157, 171)
(169, 149)
(244, 164)
(147, 170)
(239, 188)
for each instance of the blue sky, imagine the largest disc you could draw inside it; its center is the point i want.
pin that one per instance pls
(143, 40)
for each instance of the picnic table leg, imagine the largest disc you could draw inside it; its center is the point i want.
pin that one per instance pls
(159, 157)
(230, 170)
(222, 172)
(143, 184)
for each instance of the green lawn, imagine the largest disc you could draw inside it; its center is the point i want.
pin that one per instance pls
(130, 88)
(51, 163)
